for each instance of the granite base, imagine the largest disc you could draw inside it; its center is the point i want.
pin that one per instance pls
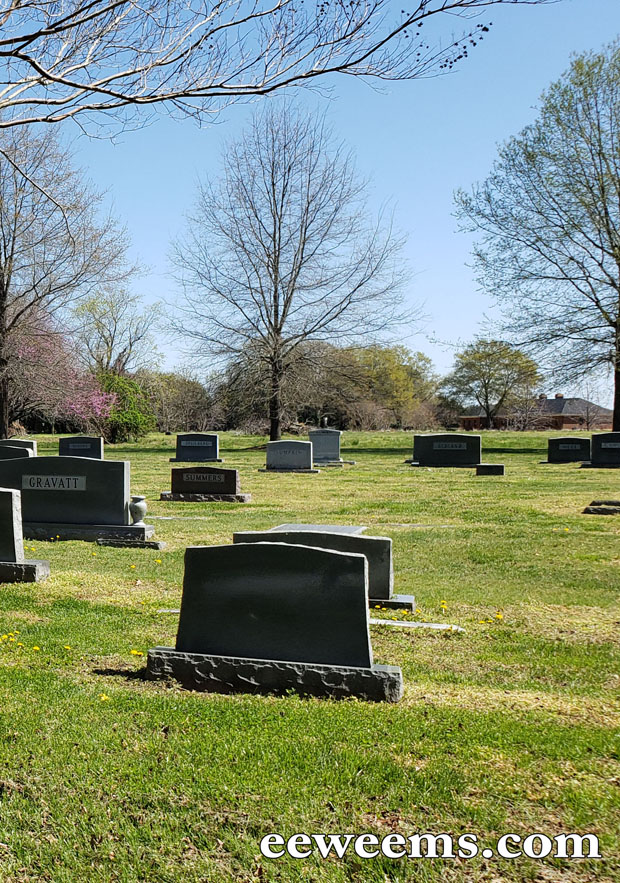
(34, 571)
(168, 496)
(230, 674)
(90, 532)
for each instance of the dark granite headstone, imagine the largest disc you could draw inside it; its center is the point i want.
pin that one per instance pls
(270, 617)
(606, 449)
(81, 446)
(568, 450)
(29, 443)
(197, 447)
(447, 449)
(206, 484)
(205, 480)
(378, 551)
(13, 566)
(11, 452)
(72, 497)
(276, 601)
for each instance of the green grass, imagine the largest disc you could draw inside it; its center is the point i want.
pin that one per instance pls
(509, 727)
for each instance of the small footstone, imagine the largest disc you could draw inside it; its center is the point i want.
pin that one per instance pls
(490, 469)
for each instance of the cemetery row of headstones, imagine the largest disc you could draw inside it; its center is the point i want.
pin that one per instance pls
(277, 611)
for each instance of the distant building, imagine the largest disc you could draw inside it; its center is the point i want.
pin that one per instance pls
(545, 413)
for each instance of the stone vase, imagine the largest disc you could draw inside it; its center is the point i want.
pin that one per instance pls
(137, 509)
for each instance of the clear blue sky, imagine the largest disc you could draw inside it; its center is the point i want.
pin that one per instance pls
(415, 141)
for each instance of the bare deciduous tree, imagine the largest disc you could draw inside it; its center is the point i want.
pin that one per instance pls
(49, 256)
(280, 252)
(61, 60)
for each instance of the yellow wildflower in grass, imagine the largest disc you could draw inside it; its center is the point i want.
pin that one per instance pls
(158, 561)
(36, 648)
(137, 653)
(132, 566)
(94, 554)
(499, 615)
(66, 647)
(11, 638)
(19, 644)
(377, 607)
(104, 698)
(483, 621)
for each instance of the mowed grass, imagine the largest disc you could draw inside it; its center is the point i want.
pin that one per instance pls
(511, 726)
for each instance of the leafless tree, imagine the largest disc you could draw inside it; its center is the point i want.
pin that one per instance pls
(49, 256)
(280, 251)
(114, 331)
(76, 58)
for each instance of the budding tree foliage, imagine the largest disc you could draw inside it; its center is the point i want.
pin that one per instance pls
(50, 257)
(548, 224)
(69, 58)
(281, 252)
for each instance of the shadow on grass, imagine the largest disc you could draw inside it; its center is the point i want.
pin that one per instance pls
(130, 674)
(486, 450)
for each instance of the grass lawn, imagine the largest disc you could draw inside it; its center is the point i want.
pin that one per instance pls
(511, 726)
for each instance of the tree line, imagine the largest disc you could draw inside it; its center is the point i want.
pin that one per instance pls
(292, 291)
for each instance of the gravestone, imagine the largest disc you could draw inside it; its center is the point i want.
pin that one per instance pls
(204, 484)
(289, 456)
(14, 568)
(29, 443)
(197, 447)
(273, 617)
(10, 452)
(490, 469)
(606, 449)
(74, 498)
(377, 550)
(81, 446)
(568, 450)
(326, 446)
(446, 449)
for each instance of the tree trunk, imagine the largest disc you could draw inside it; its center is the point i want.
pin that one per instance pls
(275, 402)
(616, 419)
(4, 400)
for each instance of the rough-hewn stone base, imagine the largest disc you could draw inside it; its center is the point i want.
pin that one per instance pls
(205, 498)
(490, 469)
(300, 471)
(24, 571)
(230, 674)
(176, 460)
(396, 602)
(89, 532)
(132, 544)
